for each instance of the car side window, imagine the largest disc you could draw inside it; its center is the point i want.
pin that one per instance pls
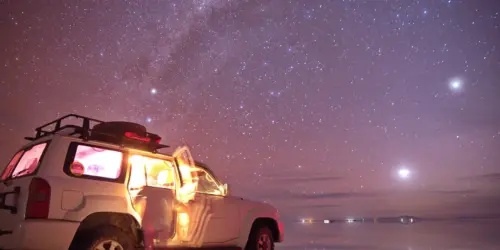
(8, 170)
(96, 162)
(206, 183)
(25, 162)
(147, 171)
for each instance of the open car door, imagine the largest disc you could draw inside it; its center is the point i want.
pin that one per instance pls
(205, 215)
(185, 163)
(152, 186)
(187, 212)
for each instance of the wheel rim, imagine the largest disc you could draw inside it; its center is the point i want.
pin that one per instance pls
(109, 245)
(264, 242)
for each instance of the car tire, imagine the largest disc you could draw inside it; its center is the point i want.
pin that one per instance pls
(261, 238)
(109, 238)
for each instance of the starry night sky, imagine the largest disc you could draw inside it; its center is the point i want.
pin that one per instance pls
(312, 105)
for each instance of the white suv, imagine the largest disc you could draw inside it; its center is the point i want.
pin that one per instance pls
(106, 187)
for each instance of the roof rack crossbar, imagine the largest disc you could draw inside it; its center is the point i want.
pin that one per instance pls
(43, 131)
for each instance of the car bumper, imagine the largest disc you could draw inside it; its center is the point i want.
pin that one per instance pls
(40, 234)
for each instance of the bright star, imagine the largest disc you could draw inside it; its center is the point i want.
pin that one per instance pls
(404, 173)
(153, 91)
(456, 84)
(149, 119)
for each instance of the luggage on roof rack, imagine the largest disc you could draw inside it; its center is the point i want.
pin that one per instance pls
(126, 133)
(117, 132)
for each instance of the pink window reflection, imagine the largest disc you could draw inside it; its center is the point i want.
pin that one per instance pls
(12, 164)
(29, 161)
(98, 162)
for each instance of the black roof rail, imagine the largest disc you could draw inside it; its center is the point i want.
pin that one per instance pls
(58, 125)
(84, 131)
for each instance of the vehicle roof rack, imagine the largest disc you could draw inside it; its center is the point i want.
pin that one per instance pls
(57, 125)
(84, 131)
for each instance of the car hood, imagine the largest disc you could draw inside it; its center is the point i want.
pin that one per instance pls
(254, 205)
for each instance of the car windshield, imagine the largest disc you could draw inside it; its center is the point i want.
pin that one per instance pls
(211, 175)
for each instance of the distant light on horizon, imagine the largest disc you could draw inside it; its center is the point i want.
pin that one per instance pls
(306, 221)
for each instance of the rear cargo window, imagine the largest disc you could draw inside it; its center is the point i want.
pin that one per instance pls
(96, 162)
(25, 162)
(12, 164)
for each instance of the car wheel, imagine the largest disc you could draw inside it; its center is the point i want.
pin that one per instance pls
(106, 238)
(260, 239)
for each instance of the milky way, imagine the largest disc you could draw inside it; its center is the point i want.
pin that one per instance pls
(311, 105)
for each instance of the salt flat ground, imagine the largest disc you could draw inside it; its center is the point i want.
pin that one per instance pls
(431, 235)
